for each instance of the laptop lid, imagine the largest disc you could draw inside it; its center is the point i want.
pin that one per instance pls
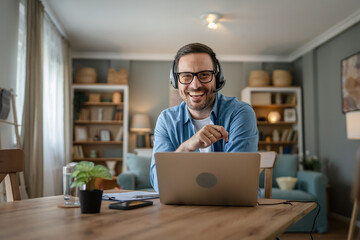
(216, 178)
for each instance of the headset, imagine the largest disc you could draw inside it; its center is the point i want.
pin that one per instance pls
(220, 81)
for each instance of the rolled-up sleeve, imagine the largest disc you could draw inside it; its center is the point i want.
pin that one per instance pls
(162, 143)
(243, 134)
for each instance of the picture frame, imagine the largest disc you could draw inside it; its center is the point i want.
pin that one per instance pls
(105, 135)
(350, 83)
(289, 115)
(81, 133)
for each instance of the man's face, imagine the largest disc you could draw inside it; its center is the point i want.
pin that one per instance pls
(197, 96)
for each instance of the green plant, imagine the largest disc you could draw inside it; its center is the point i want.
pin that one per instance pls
(86, 173)
(79, 99)
(312, 163)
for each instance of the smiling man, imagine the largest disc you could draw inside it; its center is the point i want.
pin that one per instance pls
(206, 121)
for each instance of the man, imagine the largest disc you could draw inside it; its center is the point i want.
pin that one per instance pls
(206, 121)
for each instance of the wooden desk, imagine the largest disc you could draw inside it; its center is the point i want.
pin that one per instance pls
(41, 219)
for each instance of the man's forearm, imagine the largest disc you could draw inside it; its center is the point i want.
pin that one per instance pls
(184, 148)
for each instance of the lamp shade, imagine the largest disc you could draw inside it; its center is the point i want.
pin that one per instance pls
(140, 123)
(274, 117)
(353, 125)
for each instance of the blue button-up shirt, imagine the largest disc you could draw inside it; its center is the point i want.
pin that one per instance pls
(174, 126)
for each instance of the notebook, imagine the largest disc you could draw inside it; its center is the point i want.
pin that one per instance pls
(216, 178)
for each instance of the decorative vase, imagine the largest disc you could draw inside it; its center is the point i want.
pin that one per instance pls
(90, 202)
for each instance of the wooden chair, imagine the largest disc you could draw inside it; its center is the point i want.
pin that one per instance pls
(267, 163)
(356, 196)
(11, 162)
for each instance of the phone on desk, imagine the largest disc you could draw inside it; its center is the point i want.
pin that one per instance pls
(130, 205)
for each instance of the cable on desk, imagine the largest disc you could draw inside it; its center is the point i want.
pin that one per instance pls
(289, 202)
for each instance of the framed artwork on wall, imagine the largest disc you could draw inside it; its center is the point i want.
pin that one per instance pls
(350, 83)
(289, 115)
(81, 133)
(104, 135)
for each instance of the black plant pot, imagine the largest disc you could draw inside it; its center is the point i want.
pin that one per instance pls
(90, 202)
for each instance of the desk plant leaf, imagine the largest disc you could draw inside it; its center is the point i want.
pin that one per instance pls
(86, 173)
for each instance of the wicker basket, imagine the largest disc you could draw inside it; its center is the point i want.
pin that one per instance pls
(117, 77)
(259, 78)
(86, 75)
(281, 78)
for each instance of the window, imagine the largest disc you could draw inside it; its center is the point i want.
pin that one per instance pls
(21, 63)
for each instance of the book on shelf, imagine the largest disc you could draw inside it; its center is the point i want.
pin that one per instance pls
(78, 151)
(291, 99)
(284, 135)
(117, 113)
(119, 134)
(289, 135)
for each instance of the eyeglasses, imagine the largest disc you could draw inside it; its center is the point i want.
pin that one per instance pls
(202, 76)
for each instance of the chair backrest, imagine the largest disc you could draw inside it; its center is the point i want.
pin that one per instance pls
(286, 166)
(11, 162)
(267, 163)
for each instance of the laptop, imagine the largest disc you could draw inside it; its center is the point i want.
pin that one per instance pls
(216, 178)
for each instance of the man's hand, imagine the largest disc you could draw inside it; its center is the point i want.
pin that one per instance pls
(206, 136)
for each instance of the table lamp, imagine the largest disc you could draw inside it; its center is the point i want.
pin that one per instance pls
(140, 124)
(274, 117)
(353, 132)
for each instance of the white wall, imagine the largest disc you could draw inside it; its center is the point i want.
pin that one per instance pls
(9, 14)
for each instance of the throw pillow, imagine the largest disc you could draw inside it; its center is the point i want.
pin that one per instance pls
(140, 167)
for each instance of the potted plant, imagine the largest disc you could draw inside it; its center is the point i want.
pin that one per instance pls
(311, 163)
(85, 173)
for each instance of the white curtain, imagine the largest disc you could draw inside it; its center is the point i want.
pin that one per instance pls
(21, 63)
(53, 110)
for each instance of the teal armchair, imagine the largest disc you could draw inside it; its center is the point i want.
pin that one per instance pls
(138, 176)
(311, 186)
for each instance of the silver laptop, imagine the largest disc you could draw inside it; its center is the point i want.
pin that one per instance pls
(217, 178)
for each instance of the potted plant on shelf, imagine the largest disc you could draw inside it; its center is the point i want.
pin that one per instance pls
(86, 173)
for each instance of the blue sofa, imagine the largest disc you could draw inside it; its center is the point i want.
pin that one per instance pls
(311, 186)
(138, 176)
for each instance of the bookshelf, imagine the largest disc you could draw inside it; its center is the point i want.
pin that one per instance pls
(100, 124)
(285, 135)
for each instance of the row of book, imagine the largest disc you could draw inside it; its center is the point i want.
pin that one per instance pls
(78, 151)
(117, 113)
(282, 149)
(289, 135)
(290, 99)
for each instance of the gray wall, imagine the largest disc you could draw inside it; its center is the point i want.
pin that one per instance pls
(9, 14)
(149, 83)
(325, 126)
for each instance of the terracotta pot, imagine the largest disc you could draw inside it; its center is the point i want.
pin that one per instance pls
(90, 202)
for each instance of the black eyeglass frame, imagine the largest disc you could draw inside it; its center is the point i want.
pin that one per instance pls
(196, 74)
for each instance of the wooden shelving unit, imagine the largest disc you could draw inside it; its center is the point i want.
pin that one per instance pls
(278, 99)
(114, 148)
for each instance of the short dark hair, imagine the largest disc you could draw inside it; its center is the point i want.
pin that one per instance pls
(195, 48)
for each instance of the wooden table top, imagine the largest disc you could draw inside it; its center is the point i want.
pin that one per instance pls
(41, 218)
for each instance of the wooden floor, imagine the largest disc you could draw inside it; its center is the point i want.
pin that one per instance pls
(337, 230)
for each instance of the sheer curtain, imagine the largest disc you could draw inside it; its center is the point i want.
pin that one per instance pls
(53, 109)
(21, 63)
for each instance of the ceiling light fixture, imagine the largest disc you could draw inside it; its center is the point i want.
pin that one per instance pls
(211, 19)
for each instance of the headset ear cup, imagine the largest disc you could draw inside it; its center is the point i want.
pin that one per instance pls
(220, 81)
(173, 79)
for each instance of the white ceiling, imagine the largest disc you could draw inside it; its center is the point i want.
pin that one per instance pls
(275, 30)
